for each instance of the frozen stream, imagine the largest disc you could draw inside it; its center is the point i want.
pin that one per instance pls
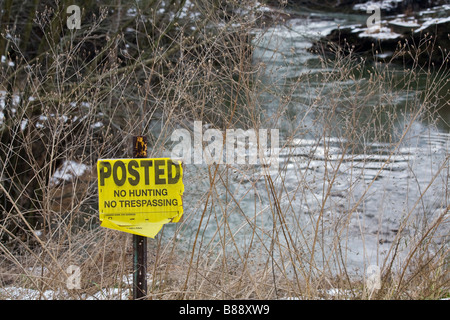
(363, 196)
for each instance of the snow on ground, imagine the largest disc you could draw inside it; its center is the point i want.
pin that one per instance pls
(68, 170)
(405, 23)
(383, 5)
(383, 31)
(379, 33)
(19, 293)
(431, 21)
(4, 60)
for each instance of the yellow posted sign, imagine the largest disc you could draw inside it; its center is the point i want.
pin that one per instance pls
(140, 195)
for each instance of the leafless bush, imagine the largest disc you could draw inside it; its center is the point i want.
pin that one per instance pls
(150, 70)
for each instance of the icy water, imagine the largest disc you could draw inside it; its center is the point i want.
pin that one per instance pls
(349, 195)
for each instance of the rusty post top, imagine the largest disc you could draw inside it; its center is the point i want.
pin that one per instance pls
(140, 147)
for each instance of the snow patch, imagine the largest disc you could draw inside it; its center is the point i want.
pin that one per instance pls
(68, 170)
(19, 293)
(406, 24)
(9, 62)
(429, 22)
(379, 33)
(384, 5)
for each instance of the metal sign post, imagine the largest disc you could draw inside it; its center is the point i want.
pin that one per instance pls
(139, 196)
(139, 242)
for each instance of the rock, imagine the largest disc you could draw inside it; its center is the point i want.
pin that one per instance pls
(424, 37)
(395, 7)
(403, 27)
(356, 6)
(360, 40)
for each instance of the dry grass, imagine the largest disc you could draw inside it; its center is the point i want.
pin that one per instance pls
(244, 235)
